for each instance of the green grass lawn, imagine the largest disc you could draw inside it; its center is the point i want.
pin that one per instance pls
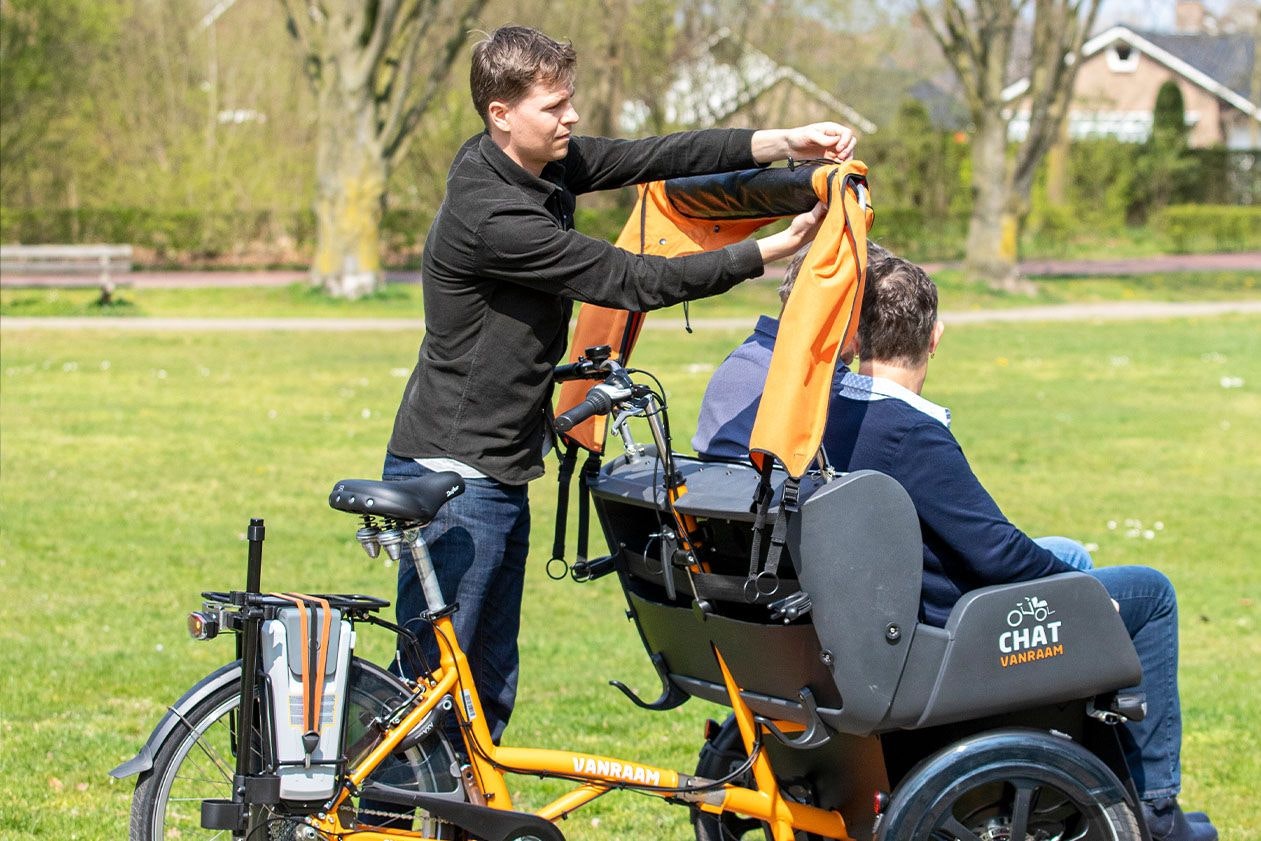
(130, 464)
(404, 300)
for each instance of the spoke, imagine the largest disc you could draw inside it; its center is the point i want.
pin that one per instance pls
(213, 755)
(960, 832)
(1020, 810)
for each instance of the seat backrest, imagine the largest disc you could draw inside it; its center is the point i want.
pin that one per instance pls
(856, 545)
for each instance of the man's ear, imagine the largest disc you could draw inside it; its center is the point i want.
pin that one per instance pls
(850, 350)
(938, 329)
(497, 115)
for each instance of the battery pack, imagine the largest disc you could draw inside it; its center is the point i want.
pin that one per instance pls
(307, 703)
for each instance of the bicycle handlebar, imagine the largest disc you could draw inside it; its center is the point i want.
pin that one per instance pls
(599, 401)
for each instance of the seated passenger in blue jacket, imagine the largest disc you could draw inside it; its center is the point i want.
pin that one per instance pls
(878, 420)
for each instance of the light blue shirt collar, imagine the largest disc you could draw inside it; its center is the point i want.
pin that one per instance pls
(869, 389)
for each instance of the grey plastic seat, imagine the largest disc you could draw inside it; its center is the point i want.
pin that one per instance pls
(868, 663)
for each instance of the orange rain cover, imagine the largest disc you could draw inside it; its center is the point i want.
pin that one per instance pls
(654, 227)
(820, 319)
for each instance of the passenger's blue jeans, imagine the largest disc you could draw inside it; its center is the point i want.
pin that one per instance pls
(478, 543)
(1067, 550)
(1149, 609)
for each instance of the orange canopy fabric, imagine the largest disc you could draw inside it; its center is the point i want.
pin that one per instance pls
(820, 319)
(654, 227)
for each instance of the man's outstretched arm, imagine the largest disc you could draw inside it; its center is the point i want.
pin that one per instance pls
(829, 141)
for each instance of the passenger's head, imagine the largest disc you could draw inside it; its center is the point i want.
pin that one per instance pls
(511, 60)
(875, 253)
(898, 325)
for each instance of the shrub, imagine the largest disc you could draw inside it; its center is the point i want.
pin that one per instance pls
(1194, 227)
(601, 222)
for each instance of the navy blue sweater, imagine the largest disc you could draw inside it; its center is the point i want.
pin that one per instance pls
(968, 543)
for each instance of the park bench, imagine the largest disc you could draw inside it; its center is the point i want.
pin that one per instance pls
(66, 265)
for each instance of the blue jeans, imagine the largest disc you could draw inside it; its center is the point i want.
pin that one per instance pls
(478, 543)
(1067, 550)
(1149, 609)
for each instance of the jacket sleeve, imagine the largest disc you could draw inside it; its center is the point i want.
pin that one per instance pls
(601, 163)
(958, 512)
(524, 245)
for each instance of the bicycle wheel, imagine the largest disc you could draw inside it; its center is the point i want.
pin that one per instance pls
(719, 757)
(197, 762)
(1012, 785)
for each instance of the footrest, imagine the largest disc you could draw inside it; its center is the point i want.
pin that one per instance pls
(481, 821)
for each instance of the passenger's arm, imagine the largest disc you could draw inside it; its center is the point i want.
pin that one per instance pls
(959, 513)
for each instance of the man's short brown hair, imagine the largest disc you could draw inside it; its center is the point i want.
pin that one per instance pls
(875, 253)
(899, 313)
(511, 59)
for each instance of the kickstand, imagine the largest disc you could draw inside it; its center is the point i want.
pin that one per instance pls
(671, 695)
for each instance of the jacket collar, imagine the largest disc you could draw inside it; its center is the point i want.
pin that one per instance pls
(511, 172)
(869, 389)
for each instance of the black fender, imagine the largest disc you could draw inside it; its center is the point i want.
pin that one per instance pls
(229, 673)
(996, 747)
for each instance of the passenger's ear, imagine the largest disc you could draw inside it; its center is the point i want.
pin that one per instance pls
(850, 351)
(938, 329)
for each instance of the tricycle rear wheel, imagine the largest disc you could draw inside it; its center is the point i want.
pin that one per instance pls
(197, 761)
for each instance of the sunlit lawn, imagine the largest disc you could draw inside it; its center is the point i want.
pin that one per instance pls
(130, 464)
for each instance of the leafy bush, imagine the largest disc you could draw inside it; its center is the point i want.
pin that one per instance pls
(915, 235)
(601, 222)
(1195, 227)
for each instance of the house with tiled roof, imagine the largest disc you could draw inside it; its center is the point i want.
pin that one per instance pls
(1124, 67)
(729, 82)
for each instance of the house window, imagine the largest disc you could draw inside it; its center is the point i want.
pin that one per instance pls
(1122, 57)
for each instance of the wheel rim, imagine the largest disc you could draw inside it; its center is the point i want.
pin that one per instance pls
(203, 764)
(202, 768)
(1035, 805)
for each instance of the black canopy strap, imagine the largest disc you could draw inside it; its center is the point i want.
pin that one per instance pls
(767, 581)
(761, 507)
(563, 477)
(590, 472)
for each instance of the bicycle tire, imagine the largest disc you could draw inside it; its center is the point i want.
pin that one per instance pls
(971, 788)
(196, 762)
(719, 757)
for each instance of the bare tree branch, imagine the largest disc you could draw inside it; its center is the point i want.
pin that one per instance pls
(395, 147)
(382, 24)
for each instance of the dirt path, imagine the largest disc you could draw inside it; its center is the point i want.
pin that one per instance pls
(1119, 311)
(1031, 268)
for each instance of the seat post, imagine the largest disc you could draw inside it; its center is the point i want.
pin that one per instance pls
(426, 573)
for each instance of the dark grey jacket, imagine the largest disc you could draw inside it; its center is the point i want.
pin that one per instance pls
(502, 266)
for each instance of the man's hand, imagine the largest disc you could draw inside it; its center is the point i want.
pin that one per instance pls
(830, 141)
(800, 231)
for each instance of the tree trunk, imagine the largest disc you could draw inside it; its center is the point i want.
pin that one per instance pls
(350, 194)
(993, 228)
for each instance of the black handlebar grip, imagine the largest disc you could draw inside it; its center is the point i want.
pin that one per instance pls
(597, 403)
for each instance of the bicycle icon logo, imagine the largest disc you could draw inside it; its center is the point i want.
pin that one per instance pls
(1030, 606)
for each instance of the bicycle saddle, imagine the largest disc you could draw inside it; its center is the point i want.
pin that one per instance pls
(416, 500)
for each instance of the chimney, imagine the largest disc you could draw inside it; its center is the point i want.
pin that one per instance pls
(1189, 16)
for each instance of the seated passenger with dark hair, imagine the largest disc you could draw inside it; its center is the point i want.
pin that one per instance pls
(877, 420)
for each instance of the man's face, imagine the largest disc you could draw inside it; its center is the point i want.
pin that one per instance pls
(537, 128)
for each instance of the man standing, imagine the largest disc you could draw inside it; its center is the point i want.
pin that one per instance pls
(502, 267)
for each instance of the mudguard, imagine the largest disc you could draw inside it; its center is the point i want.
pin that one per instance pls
(229, 673)
(1007, 748)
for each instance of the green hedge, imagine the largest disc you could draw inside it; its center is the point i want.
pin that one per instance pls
(169, 233)
(183, 234)
(1200, 227)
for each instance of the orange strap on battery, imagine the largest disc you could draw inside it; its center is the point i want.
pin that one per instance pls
(316, 660)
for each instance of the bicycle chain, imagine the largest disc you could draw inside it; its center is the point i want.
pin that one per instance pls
(381, 813)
